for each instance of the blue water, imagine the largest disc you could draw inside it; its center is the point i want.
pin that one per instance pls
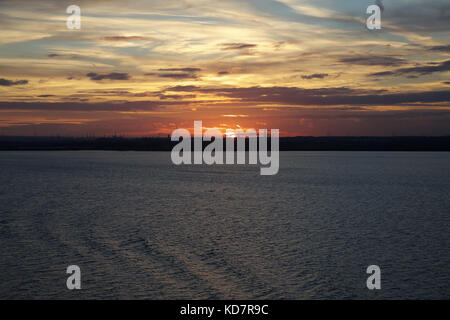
(140, 227)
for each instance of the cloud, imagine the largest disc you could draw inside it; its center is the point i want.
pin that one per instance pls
(321, 96)
(181, 69)
(235, 115)
(237, 46)
(420, 70)
(82, 106)
(125, 38)
(176, 96)
(8, 83)
(373, 60)
(315, 76)
(445, 48)
(63, 55)
(183, 88)
(176, 73)
(108, 76)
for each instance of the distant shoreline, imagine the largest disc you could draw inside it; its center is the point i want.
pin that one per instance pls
(10, 143)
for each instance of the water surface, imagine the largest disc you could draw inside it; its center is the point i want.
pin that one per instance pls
(140, 227)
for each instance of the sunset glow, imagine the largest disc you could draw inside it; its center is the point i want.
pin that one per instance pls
(148, 67)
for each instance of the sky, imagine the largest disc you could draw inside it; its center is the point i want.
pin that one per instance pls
(145, 68)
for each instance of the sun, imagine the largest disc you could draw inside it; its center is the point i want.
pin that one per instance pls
(230, 133)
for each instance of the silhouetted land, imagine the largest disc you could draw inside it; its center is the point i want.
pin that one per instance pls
(286, 144)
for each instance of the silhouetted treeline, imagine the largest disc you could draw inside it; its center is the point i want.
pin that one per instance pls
(286, 144)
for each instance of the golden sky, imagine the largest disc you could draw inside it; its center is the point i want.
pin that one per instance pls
(140, 68)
